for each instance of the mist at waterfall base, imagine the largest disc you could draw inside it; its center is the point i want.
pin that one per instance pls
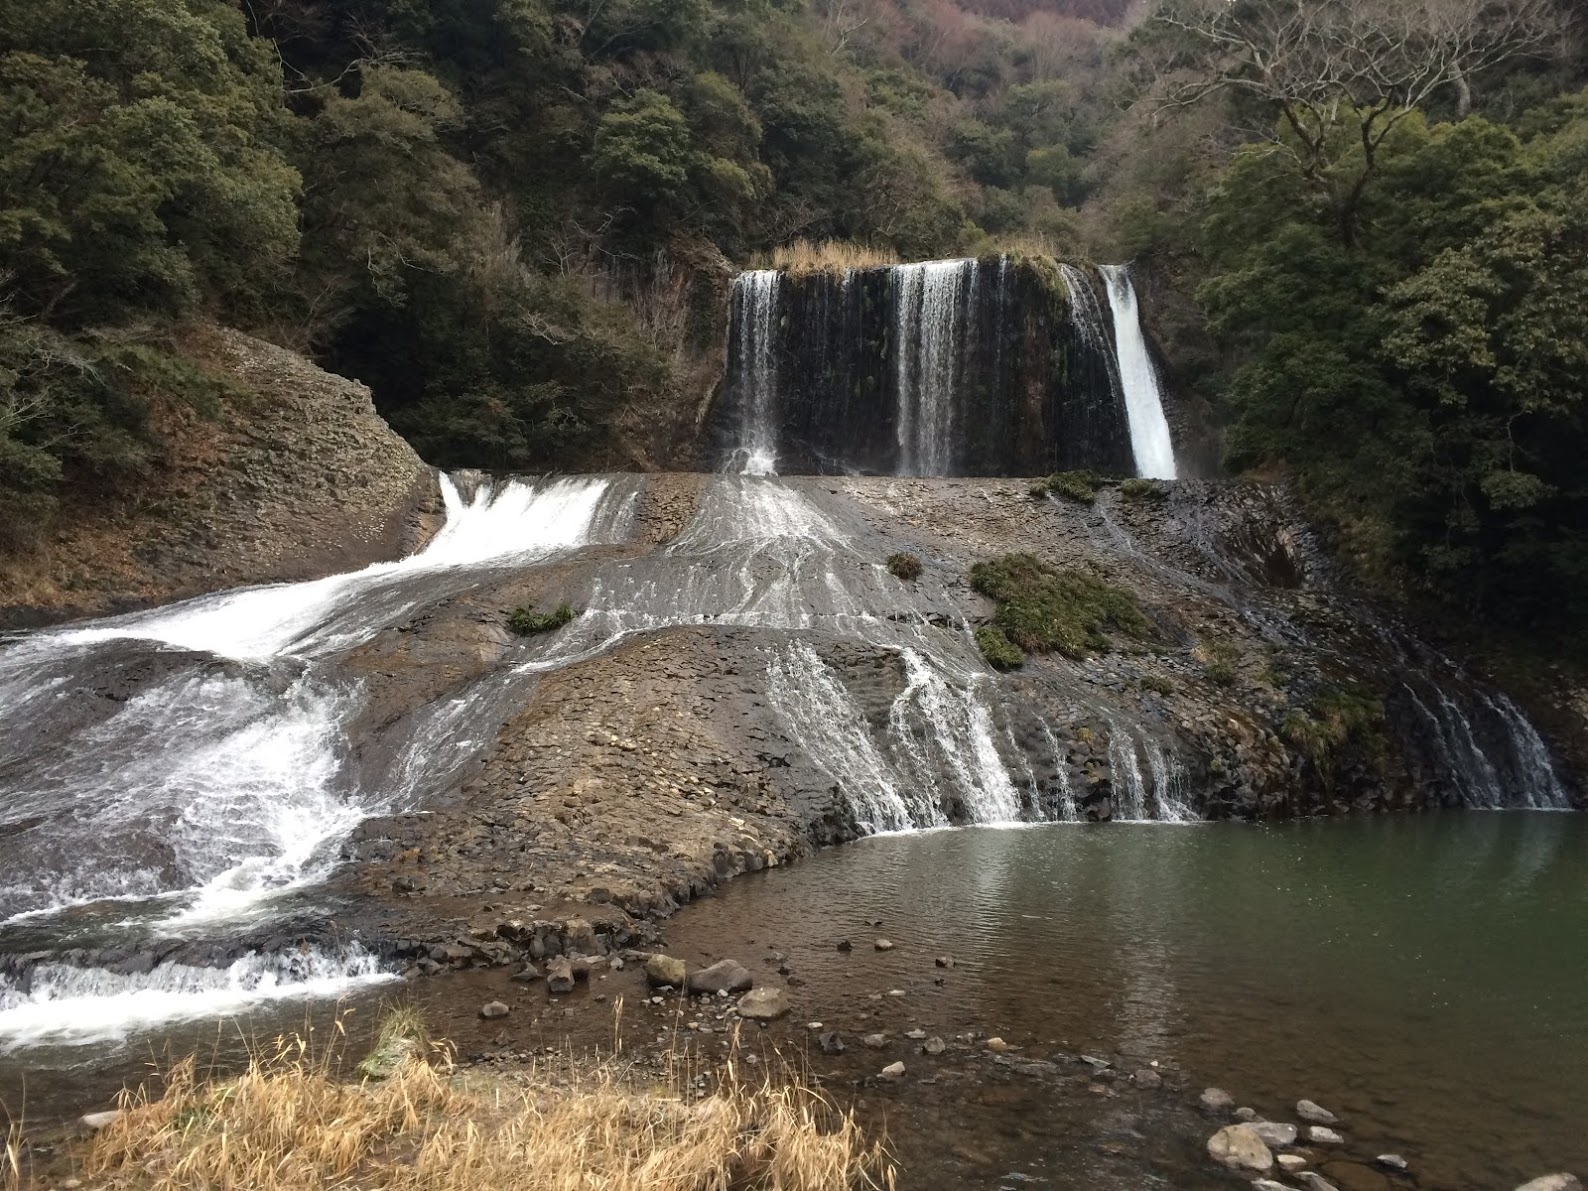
(943, 368)
(1421, 977)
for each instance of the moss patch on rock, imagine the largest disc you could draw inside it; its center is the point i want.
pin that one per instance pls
(1042, 609)
(905, 565)
(526, 622)
(1000, 652)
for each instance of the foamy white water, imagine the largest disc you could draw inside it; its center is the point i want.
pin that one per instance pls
(513, 523)
(62, 1004)
(1149, 429)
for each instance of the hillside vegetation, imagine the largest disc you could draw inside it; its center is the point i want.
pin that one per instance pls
(514, 219)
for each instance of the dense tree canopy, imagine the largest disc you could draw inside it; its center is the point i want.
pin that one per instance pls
(1363, 223)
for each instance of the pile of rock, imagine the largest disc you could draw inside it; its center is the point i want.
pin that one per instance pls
(723, 978)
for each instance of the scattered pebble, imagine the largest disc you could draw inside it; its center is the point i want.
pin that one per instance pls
(893, 1071)
(935, 1046)
(883, 945)
(874, 1041)
(915, 1035)
(1147, 1078)
(494, 1009)
(997, 1045)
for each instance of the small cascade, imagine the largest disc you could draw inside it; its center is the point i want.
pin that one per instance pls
(56, 1002)
(1159, 796)
(823, 720)
(1541, 787)
(755, 323)
(930, 304)
(1149, 430)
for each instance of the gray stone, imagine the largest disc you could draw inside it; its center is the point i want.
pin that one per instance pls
(1324, 1136)
(831, 1043)
(935, 1046)
(997, 1045)
(874, 1041)
(893, 1071)
(1553, 1182)
(1239, 1148)
(1314, 1181)
(1392, 1162)
(95, 1121)
(1315, 1114)
(559, 976)
(1217, 1100)
(726, 975)
(883, 945)
(945, 961)
(915, 1035)
(527, 975)
(1246, 1114)
(1274, 1134)
(1269, 1185)
(1147, 1078)
(1290, 1163)
(763, 1004)
(494, 1009)
(663, 970)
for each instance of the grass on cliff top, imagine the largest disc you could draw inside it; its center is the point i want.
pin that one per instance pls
(1042, 609)
(287, 1124)
(830, 256)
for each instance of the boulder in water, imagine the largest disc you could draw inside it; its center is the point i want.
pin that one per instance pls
(1274, 1134)
(1323, 1135)
(724, 976)
(1240, 1148)
(883, 944)
(663, 970)
(763, 1004)
(1315, 1114)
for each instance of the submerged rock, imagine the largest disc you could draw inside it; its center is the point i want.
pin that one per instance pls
(935, 1046)
(1323, 1135)
(874, 1041)
(1240, 1148)
(1392, 1162)
(1314, 1181)
(1551, 1182)
(1147, 1078)
(831, 1042)
(1216, 1100)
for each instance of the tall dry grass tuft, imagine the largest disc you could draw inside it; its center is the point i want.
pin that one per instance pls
(288, 1125)
(830, 256)
(11, 1159)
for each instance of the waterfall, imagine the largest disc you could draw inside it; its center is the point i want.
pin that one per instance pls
(755, 321)
(940, 368)
(1541, 785)
(929, 348)
(254, 783)
(1149, 430)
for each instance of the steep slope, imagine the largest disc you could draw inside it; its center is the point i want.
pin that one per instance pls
(296, 477)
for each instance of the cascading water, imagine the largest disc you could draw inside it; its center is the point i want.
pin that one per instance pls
(253, 783)
(929, 351)
(755, 319)
(1149, 430)
(958, 367)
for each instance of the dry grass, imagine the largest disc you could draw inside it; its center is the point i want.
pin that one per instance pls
(288, 1125)
(11, 1159)
(830, 256)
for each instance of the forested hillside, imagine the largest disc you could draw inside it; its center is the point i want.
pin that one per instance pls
(1365, 226)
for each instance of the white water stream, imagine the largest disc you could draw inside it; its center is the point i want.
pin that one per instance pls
(207, 796)
(1149, 429)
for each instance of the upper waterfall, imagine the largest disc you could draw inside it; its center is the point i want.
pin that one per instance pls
(940, 368)
(1149, 430)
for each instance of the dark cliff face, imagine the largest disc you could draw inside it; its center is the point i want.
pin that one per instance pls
(968, 368)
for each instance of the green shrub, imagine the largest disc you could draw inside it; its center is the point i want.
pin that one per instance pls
(1154, 683)
(905, 565)
(1219, 659)
(1079, 486)
(1334, 720)
(526, 622)
(1041, 609)
(1138, 489)
(1000, 652)
(1039, 490)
